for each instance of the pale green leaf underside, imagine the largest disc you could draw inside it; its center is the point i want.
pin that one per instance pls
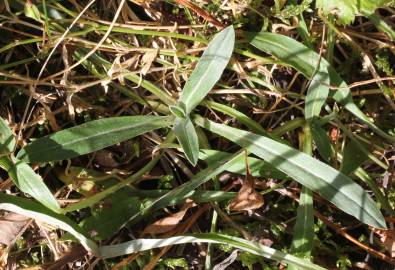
(249, 246)
(317, 176)
(36, 211)
(209, 69)
(90, 137)
(305, 61)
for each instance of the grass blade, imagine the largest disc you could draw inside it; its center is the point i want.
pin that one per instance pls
(317, 176)
(29, 182)
(90, 137)
(305, 61)
(209, 69)
(187, 137)
(249, 246)
(7, 140)
(36, 211)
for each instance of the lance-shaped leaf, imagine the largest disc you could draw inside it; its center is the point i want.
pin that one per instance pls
(36, 211)
(90, 137)
(29, 182)
(317, 176)
(208, 70)
(305, 61)
(7, 140)
(249, 246)
(187, 137)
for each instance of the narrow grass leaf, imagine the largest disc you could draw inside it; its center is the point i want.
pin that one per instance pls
(353, 157)
(187, 137)
(322, 141)
(258, 167)
(303, 234)
(7, 140)
(209, 69)
(90, 137)
(174, 196)
(303, 231)
(29, 182)
(239, 243)
(317, 176)
(305, 61)
(36, 211)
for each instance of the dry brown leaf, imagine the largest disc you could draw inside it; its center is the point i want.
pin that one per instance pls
(148, 58)
(11, 224)
(247, 198)
(388, 239)
(168, 223)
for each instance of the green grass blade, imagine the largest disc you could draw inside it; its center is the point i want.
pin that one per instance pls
(258, 167)
(317, 176)
(249, 246)
(7, 140)
(187, 137)
(90, 137)
(209, 69)
(29, 182)
(36, 211)
(305, 61)
(173, 196)
(303, 231)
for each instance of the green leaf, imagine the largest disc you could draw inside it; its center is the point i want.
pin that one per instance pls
(7, 140)
(322, 141)
(353, 157)
(303, 231)
(36, 211)
(305, 61)
(178, 111)
(239, 243)
(29, 182)
(258, 167)
(317, 94)
(209, 69)
(174, 196)
(90, 137)
(344, 10)
(32, 11)
(109, 220)
(317, 176)
(303, 234)
(187, 137)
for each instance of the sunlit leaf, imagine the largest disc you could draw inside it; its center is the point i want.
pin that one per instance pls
(36, 211)
(90, 137)
(317, 176)
(249, 246)
(208, 70)
(305, 61)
